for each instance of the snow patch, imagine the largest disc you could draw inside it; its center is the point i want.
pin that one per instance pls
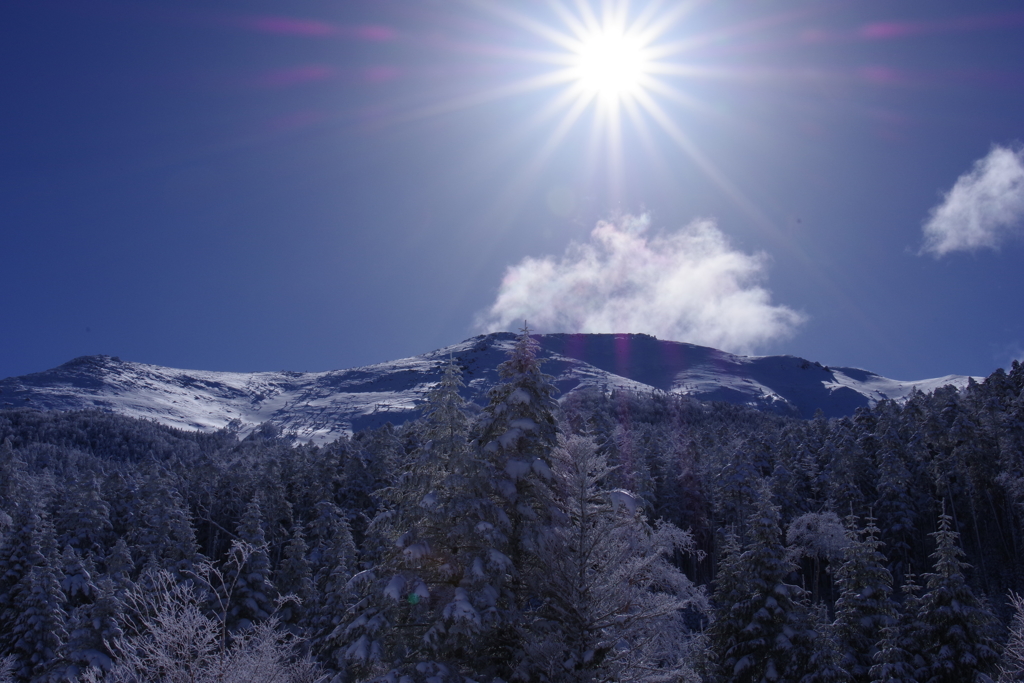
(395, 588)
(624, 499)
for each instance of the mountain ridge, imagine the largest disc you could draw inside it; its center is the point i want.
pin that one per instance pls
(321, 406)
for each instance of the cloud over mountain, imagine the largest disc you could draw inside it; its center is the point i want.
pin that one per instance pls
(984, 208)
(689, 285)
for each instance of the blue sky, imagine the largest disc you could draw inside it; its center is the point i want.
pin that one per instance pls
(312, 185)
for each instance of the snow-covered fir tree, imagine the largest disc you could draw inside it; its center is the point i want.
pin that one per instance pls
(900, 652)
(40, 632)
(249, 592)
(92, 627)
(439, 582)
(77, 582)
(763, 635)
(83, 519)
(825, 663)
(161, 531)
(32, 615)
(333, 556)
(895, 506)
(956, 627)
(611, 600)
(294, 579)
(865, 604)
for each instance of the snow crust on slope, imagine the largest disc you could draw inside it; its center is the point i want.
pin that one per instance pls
(321, 406)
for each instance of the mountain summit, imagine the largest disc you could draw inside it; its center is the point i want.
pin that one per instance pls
(323, 405)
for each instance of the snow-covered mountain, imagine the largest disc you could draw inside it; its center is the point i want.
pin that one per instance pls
(323, 405)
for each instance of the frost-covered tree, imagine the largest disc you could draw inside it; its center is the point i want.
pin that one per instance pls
(83, 518)
(736, 490)
(169, 638)
(251, 595)
(611, 600)
(13, 477)
(729, 591)
(895, 505)
(847, 477)
(294, 577)
(119, 565)
(956, 626)
(825, 664)
(517, 432)
(821, 538)
(892, 663)
(865, 604)
(39, 633)
(900, 652)
(763, 635)
(77, 582)
(19, 552)
(32, 615)
(332, 557)
(161, 530)
(1011, 666)
(91, 627)
(795, 473)
(457, 532)
(441, 569)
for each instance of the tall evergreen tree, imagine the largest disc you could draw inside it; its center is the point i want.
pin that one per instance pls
(766, 638)
(83, 520)
(161, 531)
(895, 505)
(34, 620)
(900, 650)
(77, 582)
(865, 604)
(19, 552)
(251, 594)
(92, 628)
(294, 577)
(957, 628)
(40, 632)
(440, 544)
(825, 664)
(725, 624)
(332, 557)
(611, 600)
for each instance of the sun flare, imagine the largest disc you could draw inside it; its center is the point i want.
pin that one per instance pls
(613, 65)
(610, 64)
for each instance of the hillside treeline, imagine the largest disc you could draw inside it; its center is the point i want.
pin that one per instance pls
(621, 537)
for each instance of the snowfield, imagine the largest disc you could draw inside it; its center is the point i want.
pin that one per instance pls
(321, 406)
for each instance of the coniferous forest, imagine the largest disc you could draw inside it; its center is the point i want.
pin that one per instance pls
(619, 537)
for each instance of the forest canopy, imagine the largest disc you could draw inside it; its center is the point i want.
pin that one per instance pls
(619, 536)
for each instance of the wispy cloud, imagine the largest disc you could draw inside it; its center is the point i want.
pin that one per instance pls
(984, 208)
(689, 285)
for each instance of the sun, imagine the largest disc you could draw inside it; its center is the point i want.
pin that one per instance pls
(610, 64)
(613, 65)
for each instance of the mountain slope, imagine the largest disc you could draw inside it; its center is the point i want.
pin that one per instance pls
(323, 405)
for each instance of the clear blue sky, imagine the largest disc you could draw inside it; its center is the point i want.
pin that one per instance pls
(313, 185)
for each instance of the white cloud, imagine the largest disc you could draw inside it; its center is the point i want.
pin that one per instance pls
(984, 208)
(689, 286)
